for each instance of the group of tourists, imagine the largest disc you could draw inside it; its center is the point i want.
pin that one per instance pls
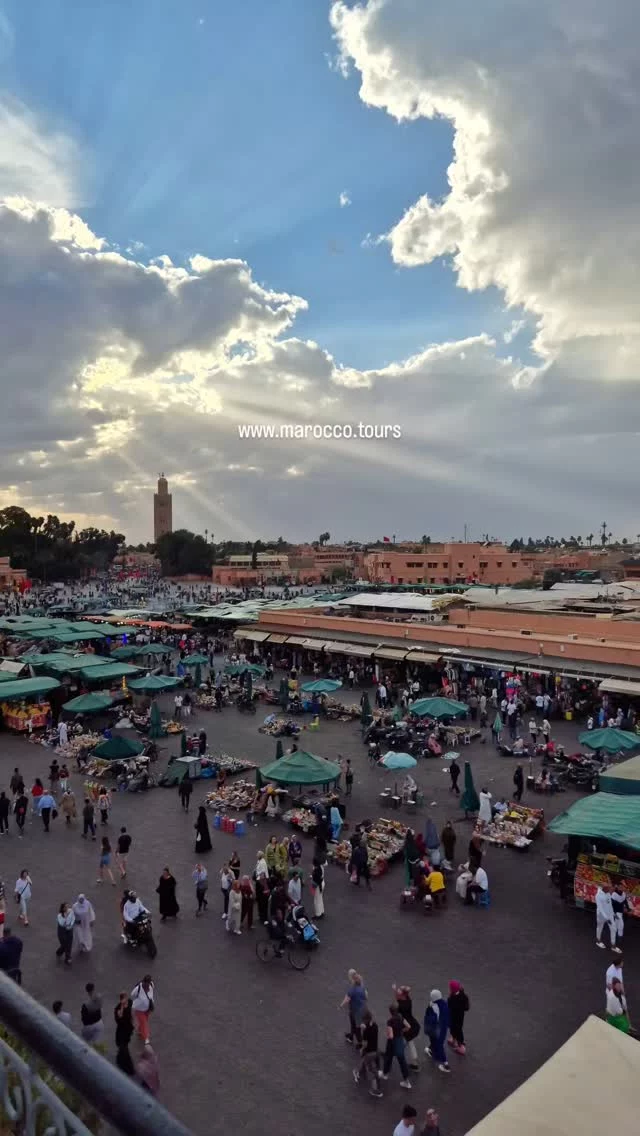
(443, 1026)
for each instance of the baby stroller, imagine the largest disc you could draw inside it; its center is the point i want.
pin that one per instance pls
(302, 928)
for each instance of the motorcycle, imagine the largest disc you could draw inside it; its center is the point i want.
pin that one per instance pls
(140, 934)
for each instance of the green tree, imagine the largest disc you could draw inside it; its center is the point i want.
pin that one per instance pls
(324, 538)
(183, 553)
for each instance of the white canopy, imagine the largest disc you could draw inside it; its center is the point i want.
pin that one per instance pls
(590, 1086)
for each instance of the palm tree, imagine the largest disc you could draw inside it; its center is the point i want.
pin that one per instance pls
(590, 539)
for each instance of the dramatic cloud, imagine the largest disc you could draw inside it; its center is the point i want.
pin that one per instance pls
(544, 99)
(113, 368)
(344, 199)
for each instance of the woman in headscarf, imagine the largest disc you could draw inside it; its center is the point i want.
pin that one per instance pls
(203, 836)
(411, 857)
(484, 812)
(402, 995)
(336, 822)
(436, 1025)
(448, 841)
(261, 868)
(235, 908)
(271, 853)
(85, 917)
(248, 897)
(317, 888)
(282, 857)
(458, 1003)
(166, 891)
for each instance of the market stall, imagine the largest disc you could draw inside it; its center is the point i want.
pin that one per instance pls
(604, 844)
(22, 706)
(238, 797)
(515, 828)
(385, 842)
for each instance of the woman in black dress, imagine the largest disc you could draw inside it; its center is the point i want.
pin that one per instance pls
(203, 836)
(124, 1032)
(166, 890)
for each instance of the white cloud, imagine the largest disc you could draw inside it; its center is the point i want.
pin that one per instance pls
(344, 199)
(544, 99)
(36, 162)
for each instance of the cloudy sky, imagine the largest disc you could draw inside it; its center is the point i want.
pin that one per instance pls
(399, 212)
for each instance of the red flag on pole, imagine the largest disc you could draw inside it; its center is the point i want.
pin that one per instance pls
(386, 540)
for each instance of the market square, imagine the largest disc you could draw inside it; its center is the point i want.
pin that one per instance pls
(230, 1030)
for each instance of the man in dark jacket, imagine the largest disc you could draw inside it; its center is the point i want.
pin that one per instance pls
(454, 773)
(10, 955)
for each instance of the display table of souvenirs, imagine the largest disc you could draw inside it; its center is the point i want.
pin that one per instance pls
(515, 828)
(279, 727)
(385, 842)
(238, 796)
(78, 745)
(301, 818)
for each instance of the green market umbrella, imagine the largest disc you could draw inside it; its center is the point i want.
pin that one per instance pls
(156, 729)
(609, 739)
(195, 660)
(321, 686)
(393, 760)
(152, 649)
(88, 703)
(118, 749)
(197, 677)
(283, 695)
(279, 749)
(151, 684)
(469, 800)
(301, 768)
(438, 708)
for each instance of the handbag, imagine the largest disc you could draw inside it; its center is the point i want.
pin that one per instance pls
(54, 814)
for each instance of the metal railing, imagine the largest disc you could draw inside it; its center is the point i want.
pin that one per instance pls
(33, 1108)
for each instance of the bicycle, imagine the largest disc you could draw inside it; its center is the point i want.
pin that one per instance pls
(298, 956)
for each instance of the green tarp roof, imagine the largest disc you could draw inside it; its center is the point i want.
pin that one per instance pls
(300, 768)
(109, 671)
(24, 687)
(623, 779)
(607, 815)
(63, 663)
(76, 636)
(124, 653)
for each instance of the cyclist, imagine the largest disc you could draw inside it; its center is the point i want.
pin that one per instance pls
(278, 931)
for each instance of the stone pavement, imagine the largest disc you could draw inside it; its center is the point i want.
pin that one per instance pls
(245, 1046)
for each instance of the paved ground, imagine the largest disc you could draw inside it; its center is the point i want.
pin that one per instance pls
(255, 1048)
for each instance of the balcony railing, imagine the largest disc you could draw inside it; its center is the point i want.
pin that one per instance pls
(29, 1105)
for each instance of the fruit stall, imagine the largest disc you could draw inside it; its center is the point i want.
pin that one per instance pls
(24, 716)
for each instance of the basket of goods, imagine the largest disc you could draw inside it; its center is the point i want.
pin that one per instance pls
(304, 819)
